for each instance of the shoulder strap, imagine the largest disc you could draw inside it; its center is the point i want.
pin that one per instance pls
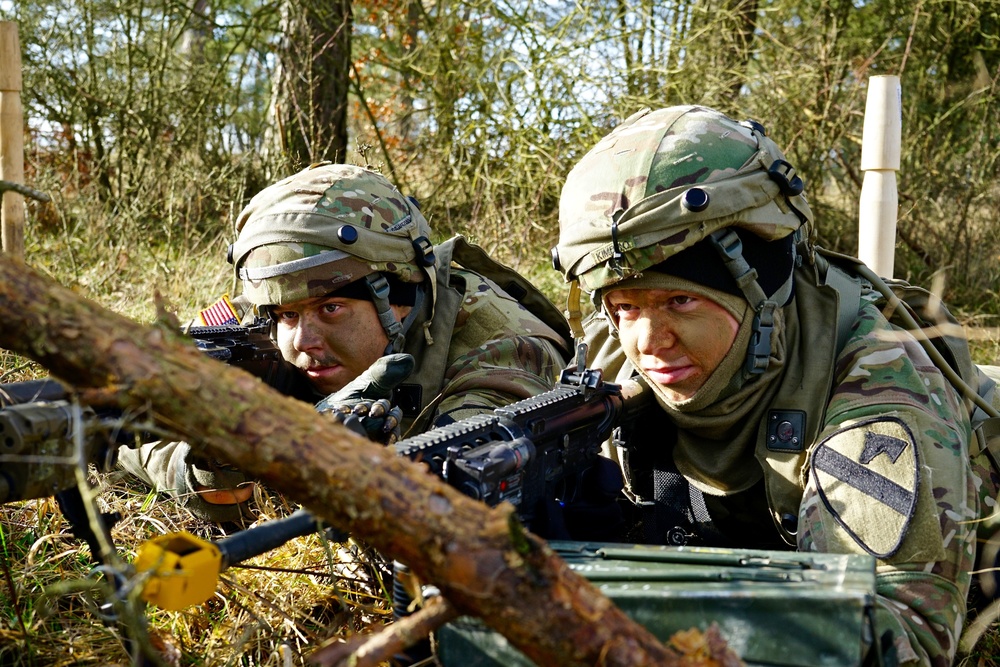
(849, 290)
(986, 426)
(976, 384)
(849, 286)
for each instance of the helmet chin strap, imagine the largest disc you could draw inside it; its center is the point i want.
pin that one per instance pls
(730, 249)
(395, 330)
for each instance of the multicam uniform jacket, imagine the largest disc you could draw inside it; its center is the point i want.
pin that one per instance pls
(890, 476)
(488, 350)
(885, 471)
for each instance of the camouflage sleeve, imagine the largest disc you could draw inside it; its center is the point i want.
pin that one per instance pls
(170, 468)
(890, 477)
(495, 374)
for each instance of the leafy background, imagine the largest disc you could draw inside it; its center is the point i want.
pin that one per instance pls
(151, 122)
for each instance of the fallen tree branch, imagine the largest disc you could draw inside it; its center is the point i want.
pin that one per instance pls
(482, 559)
(378, 648)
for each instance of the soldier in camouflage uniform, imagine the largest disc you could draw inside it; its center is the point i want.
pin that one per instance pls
(789, 412)
(344, 266)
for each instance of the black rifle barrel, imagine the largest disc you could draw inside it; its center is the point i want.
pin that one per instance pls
(265, 537)
(30, 391)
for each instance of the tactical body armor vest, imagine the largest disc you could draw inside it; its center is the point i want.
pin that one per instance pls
(828, 289)
(419, 398)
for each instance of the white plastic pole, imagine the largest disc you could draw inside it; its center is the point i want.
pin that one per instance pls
(880, 147)
(11, 140)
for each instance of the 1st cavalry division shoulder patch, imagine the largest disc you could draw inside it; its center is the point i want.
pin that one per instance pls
(867, 476)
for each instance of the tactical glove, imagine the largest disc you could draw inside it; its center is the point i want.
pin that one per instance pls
(364, 406)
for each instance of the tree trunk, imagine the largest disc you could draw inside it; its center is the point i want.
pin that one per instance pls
(196, 33)
(481, 558)
(310, 99)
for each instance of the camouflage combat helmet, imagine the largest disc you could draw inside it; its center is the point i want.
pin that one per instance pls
(327, 227)
(664, 180)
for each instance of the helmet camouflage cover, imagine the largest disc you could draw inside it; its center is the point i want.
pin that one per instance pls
(662, 181)
(323, 228)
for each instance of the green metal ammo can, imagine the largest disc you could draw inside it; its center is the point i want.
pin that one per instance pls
(774, 608)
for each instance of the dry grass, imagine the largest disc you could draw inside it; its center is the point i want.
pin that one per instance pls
(985, 344)
(272, 610)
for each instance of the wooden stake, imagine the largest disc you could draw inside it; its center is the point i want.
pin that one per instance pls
(880, 148)
(11, 140)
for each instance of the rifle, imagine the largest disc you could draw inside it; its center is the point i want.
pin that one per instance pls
(37, 417)
(532, 451)
(251, 348)
(45, 437)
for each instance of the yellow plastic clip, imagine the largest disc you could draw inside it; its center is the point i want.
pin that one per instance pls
(185, 570)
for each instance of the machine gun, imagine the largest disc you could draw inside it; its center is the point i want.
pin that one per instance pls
(526, 453)
(46, 437)
(38, 438)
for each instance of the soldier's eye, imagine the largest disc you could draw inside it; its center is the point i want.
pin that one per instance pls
(624, 309)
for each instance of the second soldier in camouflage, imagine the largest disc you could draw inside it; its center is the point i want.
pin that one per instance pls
(790, 413)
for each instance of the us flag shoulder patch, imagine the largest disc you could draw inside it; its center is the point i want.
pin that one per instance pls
(868, 476)
(221, 313)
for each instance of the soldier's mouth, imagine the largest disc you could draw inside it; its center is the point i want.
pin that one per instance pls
(670, 375)
(322, 371)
